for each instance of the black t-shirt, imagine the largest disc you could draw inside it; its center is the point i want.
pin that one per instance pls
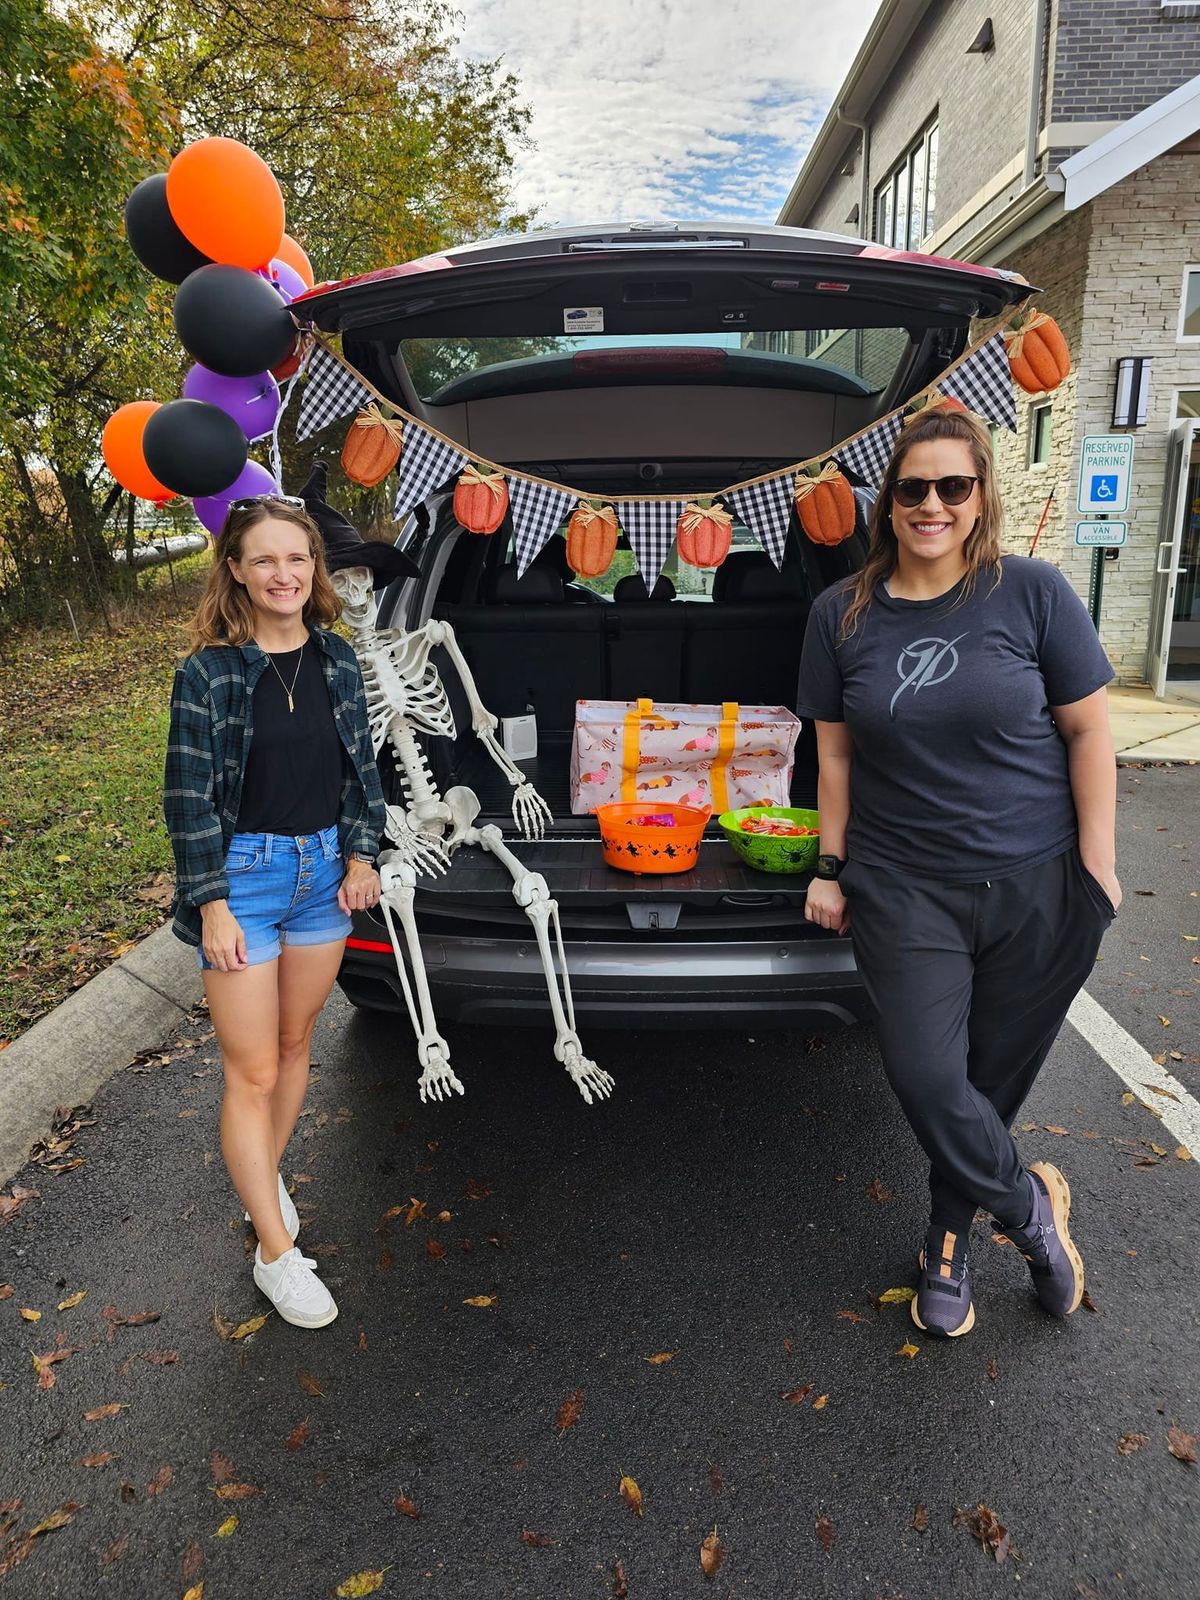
(293, 778)
(958, 771)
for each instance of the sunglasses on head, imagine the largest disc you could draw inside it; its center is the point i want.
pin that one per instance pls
(267, 500)
(951, 491)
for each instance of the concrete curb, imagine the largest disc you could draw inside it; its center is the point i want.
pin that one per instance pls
(67, 1055)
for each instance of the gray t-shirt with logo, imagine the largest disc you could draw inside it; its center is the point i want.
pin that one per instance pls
(958, 771)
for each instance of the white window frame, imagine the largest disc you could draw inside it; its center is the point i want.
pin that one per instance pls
(1180, 336)
(1036, 412)
(887, 186)
(1184, 388)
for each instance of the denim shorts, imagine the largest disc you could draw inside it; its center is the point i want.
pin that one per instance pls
(283, 890)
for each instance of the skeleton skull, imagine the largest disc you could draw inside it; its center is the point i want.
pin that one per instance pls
(355, 588)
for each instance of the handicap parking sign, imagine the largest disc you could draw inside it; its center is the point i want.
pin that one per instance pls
(1105, 464)
(1103, 488)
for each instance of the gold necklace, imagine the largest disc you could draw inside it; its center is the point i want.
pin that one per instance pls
(283, 680)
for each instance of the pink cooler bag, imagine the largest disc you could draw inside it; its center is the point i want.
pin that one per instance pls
(719, 756)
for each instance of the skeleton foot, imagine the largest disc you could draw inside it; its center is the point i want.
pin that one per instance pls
(437, 1080)
(587, 1077)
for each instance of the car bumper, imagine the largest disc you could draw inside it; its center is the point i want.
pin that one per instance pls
(813, 982)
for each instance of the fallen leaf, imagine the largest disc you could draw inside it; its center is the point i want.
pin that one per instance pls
(716, 1481)
(877, 1192)
(56, 1519)
(620, 1585)
(236, 1491)
(920, 1518)
(570, 1411)
(160, 1480)
(1129, 1443)
(1050, 1128)
(1166, 1022)
(360, 1584)
(661, 1358)
(196, 1592)
(825, 1533)
(387, 1258)
(1088, 1303)
(536, 1541)
(115, 1551)
(477, 1190)
(795, 1396)
(851, 1316)
(29, 1315)
(1127, 1099)
(406, 1508)
(897, 1297)
(416, 1209)
(435, 1250)
(309, 1384)
(298, 1436)
(220, 1468)
(244, 1330)
(9, 1506)
(1182, 1153)
(138, 1319)
(11, 1204)
(985, 1526)
(992, 1370)
(712, 1553)
(6, 1291)
(1182, 1445)
(128, 1494)
(481, 1300)
(909, 1350)
(230, 1525)
(445, 1216)
(193, 1562)
(820, 1402)
(44, 1365)
(100, 1459)
(631, 1495)
(72, 1300)
(156, 1358)
(362, 1339)
(1156, 1088)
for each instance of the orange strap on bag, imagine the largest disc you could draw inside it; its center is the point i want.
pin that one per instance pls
(726, 735)
(631, 748)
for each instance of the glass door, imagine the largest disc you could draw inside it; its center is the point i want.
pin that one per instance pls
(1175, 604)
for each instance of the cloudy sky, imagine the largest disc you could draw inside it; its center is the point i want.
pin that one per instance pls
(653, 109)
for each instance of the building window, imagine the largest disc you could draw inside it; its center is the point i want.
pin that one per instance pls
(1189, 309)
(1040, 422)
(905, 200)
(1187, 403)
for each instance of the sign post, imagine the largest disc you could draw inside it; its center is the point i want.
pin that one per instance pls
(1105, 467)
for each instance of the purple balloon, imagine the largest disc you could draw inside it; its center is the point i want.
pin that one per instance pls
(287, 281)
(253, 402)
(253, 479)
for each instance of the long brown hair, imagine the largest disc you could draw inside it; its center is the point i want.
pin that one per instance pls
(225, 615)
(982, 549)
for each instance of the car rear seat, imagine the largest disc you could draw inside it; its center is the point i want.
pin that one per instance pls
(644, 639)
(749, 638)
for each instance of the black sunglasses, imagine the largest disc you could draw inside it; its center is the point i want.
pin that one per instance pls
(951, 491)
(268, 500)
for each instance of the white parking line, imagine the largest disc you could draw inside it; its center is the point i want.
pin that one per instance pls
(1137, 1068)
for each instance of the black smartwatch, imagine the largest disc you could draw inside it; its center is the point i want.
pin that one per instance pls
(829, 867)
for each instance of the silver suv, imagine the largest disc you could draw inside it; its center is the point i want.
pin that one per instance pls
(629, 360)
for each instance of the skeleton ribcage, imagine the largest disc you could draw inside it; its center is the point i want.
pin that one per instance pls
(402, 681)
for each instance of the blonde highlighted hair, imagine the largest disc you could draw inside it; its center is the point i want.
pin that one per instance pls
(982, 548)
(225, 615)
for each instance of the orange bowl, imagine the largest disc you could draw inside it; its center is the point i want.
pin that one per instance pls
(633, 843)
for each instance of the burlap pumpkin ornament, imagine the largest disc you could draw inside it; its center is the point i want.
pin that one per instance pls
(824, 503)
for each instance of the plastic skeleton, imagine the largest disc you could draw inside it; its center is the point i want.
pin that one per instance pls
(406, 697)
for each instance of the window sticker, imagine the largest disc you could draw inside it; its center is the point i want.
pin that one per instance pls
(583, 319)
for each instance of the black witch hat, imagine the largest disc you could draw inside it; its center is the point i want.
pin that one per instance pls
(344, 545)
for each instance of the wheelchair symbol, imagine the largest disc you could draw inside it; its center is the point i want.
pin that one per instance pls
(1104, 488)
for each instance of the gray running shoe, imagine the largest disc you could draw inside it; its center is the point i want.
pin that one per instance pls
(1054, 1263)
(943, 1306)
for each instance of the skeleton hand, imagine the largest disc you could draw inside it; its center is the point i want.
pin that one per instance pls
(437, 1080)
(530, 812)
(424, 852)
(588, 1078)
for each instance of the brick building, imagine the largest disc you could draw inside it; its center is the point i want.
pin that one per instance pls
(1060, 139)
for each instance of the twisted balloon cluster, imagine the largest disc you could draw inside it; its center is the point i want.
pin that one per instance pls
(213, 223)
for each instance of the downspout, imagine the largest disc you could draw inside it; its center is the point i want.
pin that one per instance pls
(864, 224)
(1034, 123)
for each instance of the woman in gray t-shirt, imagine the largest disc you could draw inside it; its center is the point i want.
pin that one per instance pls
(967, 796)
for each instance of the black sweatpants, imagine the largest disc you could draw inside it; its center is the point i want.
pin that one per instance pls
(972, 983)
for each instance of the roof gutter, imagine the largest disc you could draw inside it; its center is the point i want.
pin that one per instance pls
(864, 128)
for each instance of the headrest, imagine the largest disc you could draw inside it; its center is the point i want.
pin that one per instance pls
(538, 587)
(752, 575)
(633, 587)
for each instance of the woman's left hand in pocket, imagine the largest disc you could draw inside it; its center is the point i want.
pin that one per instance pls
(1106, 877)
(360, 888)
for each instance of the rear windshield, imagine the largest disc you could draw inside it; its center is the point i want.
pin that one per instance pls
(866, 356)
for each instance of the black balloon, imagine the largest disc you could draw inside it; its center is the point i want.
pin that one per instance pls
(194, 448)
(154, 236)
(232, 321)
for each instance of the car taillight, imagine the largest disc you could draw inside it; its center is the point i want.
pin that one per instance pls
(601, 363)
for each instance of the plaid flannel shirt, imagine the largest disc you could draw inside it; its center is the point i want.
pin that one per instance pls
(209, 741)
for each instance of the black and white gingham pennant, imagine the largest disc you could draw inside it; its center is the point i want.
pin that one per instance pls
(426, 462)
(330, 392)
(984, 384)
(766, 509)
(868, 456)
(650, 525)
(537, 510)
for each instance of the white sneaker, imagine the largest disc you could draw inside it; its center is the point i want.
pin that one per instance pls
(291, 1217)
(294, 1289)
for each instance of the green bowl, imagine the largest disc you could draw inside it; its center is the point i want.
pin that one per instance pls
(765, 853)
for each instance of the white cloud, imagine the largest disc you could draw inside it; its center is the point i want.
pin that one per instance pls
(645, 110)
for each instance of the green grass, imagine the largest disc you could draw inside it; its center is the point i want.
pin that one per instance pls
(84, 854)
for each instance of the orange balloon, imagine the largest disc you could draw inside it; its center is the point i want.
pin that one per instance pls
(121, 443)
(288, 365)
(225, 200)
(296, 258)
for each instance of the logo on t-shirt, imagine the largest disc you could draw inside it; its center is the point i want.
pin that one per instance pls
(924, 663)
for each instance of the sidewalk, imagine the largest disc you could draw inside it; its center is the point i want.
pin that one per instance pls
(1146, 729)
